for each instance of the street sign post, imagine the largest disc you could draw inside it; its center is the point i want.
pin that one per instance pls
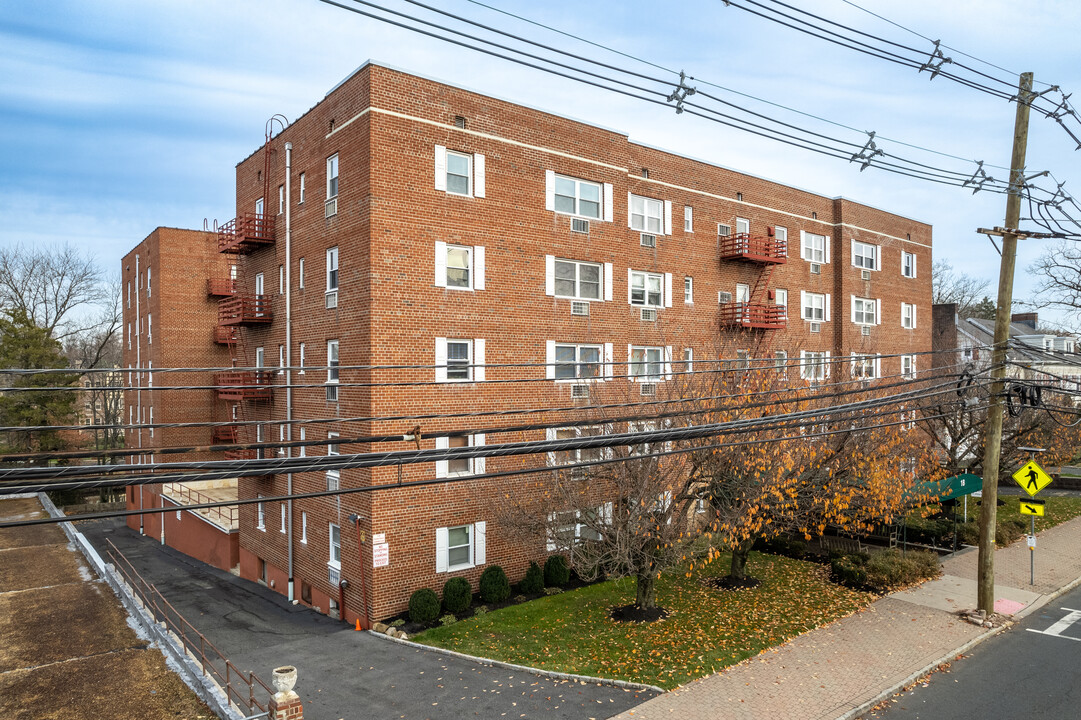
(1032, 478)
(1032, 507)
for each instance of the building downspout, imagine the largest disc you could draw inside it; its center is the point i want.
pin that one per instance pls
(289, 355)
(139, 380)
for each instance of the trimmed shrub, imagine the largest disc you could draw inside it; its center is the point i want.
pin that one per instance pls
(424, 606)
(457, 595)
(556, 572)
(849, 570)
(533, 582)
(789, 547)
(888, 569)
(1010, 530)
(494, 586)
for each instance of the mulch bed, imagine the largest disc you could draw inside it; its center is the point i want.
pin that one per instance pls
(633, 613)
(730, 583)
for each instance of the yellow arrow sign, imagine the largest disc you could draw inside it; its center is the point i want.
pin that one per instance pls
(1032, 507)
(1032, 478)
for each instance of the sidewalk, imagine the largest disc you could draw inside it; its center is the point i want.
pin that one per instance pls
(840, 670)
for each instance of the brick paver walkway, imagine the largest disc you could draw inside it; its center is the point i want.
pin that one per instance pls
(827, 673)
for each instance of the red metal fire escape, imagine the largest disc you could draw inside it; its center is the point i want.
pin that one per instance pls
(758, 311)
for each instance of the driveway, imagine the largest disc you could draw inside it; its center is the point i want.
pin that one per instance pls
(344, 673)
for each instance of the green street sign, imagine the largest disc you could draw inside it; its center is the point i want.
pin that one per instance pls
(961, 485)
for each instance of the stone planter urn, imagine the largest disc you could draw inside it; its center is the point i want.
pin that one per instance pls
(284, 678)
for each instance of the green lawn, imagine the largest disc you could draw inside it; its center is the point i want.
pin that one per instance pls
(1058, 509)
(708, 629)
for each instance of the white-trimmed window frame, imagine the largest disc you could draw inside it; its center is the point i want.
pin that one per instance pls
(474, 265)
(260, 515)
(908, 372)
(866, 366)
(817, 314)
(474, 172)
(334, 546)
(866, 311)
(476, 535)
(576, 198)
(578, 364)
(474, 466)
(334, 475)
(602, 275)
(639, 370)
(908, 269)
(332, 176)
(811, 253)
(688, 290)
(304, 527)
(688, 219)
(333, 373)
(664, 289)
(814, 365)
(866, 253)
(650, 209)
(908, 316)
(474, 365)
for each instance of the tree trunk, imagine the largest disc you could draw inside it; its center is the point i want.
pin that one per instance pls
(646, 589)
(739, 560)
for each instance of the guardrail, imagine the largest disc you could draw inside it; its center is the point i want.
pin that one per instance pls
(226, 515)
(245, 690)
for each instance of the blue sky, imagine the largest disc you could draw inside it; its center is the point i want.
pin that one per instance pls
(120, 116)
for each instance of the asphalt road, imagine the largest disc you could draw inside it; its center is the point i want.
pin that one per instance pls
(344, 673)
(1031, 671)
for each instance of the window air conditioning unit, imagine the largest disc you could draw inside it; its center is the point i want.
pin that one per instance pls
(579, 307)
(648, 389)
(579, 225)
(649, 240)
(724, 298)
(865, 274)
(724, 230)
(332, 300)
(816, 327)
(332, 207)
(816, 269)
(865, 330)
(579, 391)
(649, 314)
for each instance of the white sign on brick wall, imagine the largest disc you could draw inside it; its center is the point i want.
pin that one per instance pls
(380, 555)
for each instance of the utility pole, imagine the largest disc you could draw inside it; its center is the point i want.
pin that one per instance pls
(993, 440)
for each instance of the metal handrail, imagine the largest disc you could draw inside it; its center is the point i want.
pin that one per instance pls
(754, 315)
(227, 514)
(164, 612)
(744, 244)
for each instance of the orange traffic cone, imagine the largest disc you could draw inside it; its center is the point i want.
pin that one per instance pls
(358, 624)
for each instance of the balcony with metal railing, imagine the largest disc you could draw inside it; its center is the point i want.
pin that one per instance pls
(243, 385)
(244, 310)
(225, 435)
(753, 316)
(743, 246)
(246, 233)
(225, 335)
(221, 287)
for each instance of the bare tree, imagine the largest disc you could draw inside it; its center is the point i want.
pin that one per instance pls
(950, 286)
(50, 285)
(1059, 283)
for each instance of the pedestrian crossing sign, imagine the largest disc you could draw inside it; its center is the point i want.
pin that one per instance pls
(1032, 507)
(1032, 478)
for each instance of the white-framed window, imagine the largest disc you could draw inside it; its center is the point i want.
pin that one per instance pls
(281, 359)
(460, 547)
(646, 289)
(281, 440)
(908, 366)
(459, 173)
(335, 534)
(129, 297)
(646, 214)
(459, 360)
(577, 280)
(281, 279)
(647, 363)
(129, 336)
(864, 311)
(688, 360)
(304, 527)
(641, 426)
(743, 359)
(458, 467)
(332, 176)
(148, 283)
(908, 264)
(908, 316)
(688, 219)
(281, 199)
(334, 475)
(743, 226)
(302, 451)
(567, 529)
(814, 306)
(260, 516)
(577, 197)
(814, 248)
(865, 367)
(332, 269)
(149, 328)
(459, 267)
(781, 233)
(302, 359)
(259, 206)
(332, 371)
(688, 290)
(283, 518)
(780, 296)
(151, 421)
(780, 362)
(814, 365)
(260, 357)
(865, 255)
(301, 200)
(577, 362)
(300, 274)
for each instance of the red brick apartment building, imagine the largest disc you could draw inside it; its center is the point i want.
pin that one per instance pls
(433, 226)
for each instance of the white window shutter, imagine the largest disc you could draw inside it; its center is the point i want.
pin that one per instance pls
(478, 463)
(606, 513)
(668, 289)
(441, 466)
(853, 299)
(478, 175)
(478, 360)
(550, 359)
(878, 366)
(549, 274)
(878, 311)
(878, 257)
(628, 365)
(480, 542)
(827, 310)
(629, 273)
(828, 249)
(913, 317)
(668, 362)
(442, 543)
(478, 267)
(826, 367)
(852, 253)
(608, 281)
(440, 359)
(803, 244)
(629, 209)
(667, 217)
(803, 303)
(609, 350)
(550, 434)
(549, 190)
(551, 533)
(440, 169)
(913, 264)
(440, 263)
(902, 314)
(609, 211)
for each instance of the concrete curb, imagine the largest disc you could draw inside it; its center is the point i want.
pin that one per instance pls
(177, 656)
(625, 684)
(930, 667)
